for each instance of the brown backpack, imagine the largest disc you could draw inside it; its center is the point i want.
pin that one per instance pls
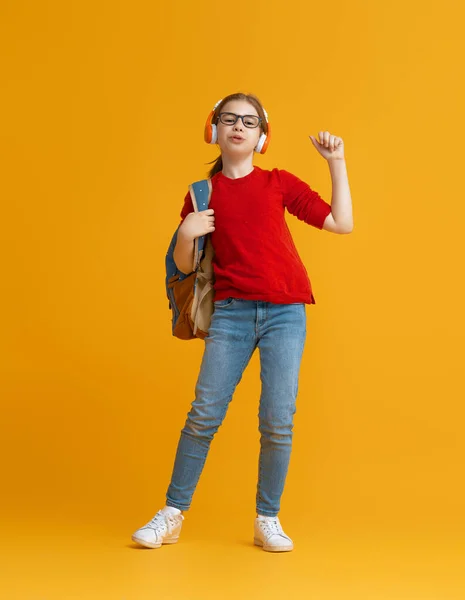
(191, 295)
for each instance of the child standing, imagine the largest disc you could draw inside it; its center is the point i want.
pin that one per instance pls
(261, 288)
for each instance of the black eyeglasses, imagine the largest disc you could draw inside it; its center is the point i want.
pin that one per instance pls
(229, 118)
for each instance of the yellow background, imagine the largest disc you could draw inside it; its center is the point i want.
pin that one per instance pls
(103, 109)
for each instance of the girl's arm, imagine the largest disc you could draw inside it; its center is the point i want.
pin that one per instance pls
(183, 253)
(340, 219)
(331, 147)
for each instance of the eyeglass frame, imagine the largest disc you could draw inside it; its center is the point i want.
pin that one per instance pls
(242, 117)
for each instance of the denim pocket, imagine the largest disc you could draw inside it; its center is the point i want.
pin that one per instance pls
(224, 302)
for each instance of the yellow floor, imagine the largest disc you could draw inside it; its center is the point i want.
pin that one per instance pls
(58, 559)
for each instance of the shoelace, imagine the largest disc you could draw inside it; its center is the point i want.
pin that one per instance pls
(159, 524)
(272, 526)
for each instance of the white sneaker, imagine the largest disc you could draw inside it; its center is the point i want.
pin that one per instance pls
(269, 534)
(162, 529)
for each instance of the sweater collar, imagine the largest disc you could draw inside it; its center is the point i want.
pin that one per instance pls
(227, 180)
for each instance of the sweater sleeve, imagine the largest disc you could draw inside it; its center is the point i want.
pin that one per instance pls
(187, 208)
(301, 201)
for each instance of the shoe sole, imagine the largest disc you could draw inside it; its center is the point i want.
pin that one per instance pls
(258, 542)
(150, 545)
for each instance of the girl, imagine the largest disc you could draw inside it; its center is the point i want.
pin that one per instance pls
(261, 288)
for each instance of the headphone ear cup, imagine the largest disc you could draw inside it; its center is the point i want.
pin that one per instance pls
(260, 144)
(214, 134)
(210, 133)
(264, 141)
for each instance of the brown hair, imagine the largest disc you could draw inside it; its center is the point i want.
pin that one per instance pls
(218, 166)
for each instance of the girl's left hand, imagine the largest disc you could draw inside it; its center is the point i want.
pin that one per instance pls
(329, 146)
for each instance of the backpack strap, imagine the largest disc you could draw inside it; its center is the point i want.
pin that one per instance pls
(200, 192)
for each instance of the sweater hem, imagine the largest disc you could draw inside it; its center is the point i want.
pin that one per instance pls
(273, 298)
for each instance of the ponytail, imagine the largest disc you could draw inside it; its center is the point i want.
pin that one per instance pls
(218, 166)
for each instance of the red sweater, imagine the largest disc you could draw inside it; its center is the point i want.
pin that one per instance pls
(255, 256)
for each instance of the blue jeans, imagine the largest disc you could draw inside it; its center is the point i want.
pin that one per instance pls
(237, 327)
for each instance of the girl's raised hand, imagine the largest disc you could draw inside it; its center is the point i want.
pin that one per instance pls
(329, 146)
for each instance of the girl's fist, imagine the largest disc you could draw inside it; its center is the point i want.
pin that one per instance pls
(197, 224)
(329, 146)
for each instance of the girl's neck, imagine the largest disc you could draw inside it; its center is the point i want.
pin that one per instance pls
(237, 168)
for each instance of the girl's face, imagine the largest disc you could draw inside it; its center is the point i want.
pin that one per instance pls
(250, 136)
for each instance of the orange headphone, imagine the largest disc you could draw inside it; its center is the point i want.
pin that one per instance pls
(211, 133)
